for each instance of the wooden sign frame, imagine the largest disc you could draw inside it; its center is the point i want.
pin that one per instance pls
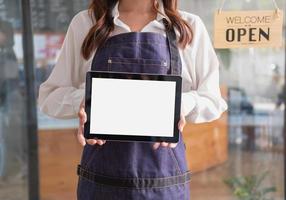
(242, 29)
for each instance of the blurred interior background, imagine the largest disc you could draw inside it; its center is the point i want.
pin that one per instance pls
(243, 151)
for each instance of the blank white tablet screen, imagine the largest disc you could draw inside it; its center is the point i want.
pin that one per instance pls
(132, 107)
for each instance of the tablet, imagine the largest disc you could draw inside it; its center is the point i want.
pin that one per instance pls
(132, 107)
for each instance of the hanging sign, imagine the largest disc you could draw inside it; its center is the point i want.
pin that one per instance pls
(238, 29)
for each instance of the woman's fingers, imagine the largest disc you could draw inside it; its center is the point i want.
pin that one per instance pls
(156, 145)
(91, 142)
(94, 142)
(170, 145)
(164, 144)
(173, 145)
(100, 142)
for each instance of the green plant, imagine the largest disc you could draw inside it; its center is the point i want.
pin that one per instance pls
(250, 187)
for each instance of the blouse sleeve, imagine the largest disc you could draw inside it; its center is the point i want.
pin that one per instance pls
(202, 102)
(61, 94)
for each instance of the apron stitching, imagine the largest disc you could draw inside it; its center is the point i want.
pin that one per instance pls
(129, 58)
(145, 188)
(88, 176)
(116, 62)
(161, 178)
(175, 161)
(151, 42)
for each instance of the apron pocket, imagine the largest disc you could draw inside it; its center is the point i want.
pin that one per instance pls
(134, 183)
(175, 161)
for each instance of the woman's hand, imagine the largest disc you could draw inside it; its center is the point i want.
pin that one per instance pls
(181, 126)
(80, 136)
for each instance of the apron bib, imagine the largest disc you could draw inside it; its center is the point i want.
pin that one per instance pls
(133, 170)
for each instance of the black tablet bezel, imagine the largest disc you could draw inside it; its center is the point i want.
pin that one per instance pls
(135, 76)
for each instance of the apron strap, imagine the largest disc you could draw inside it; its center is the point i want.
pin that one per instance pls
(176, 64)
(135, 183)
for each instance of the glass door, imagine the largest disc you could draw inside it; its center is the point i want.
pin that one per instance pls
(241, 154)
(13, 126)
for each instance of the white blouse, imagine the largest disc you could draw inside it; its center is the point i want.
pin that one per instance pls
(60, 95)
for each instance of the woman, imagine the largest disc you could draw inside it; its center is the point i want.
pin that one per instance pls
(154, 37)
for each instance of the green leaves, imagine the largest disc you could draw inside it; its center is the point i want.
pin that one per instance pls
(250, 187)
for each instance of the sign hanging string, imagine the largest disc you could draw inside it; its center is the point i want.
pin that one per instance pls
(223, 3)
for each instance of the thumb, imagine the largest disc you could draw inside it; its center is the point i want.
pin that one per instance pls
(80, 137)
(181, 124)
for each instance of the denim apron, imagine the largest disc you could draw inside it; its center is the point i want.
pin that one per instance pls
(134, 170)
